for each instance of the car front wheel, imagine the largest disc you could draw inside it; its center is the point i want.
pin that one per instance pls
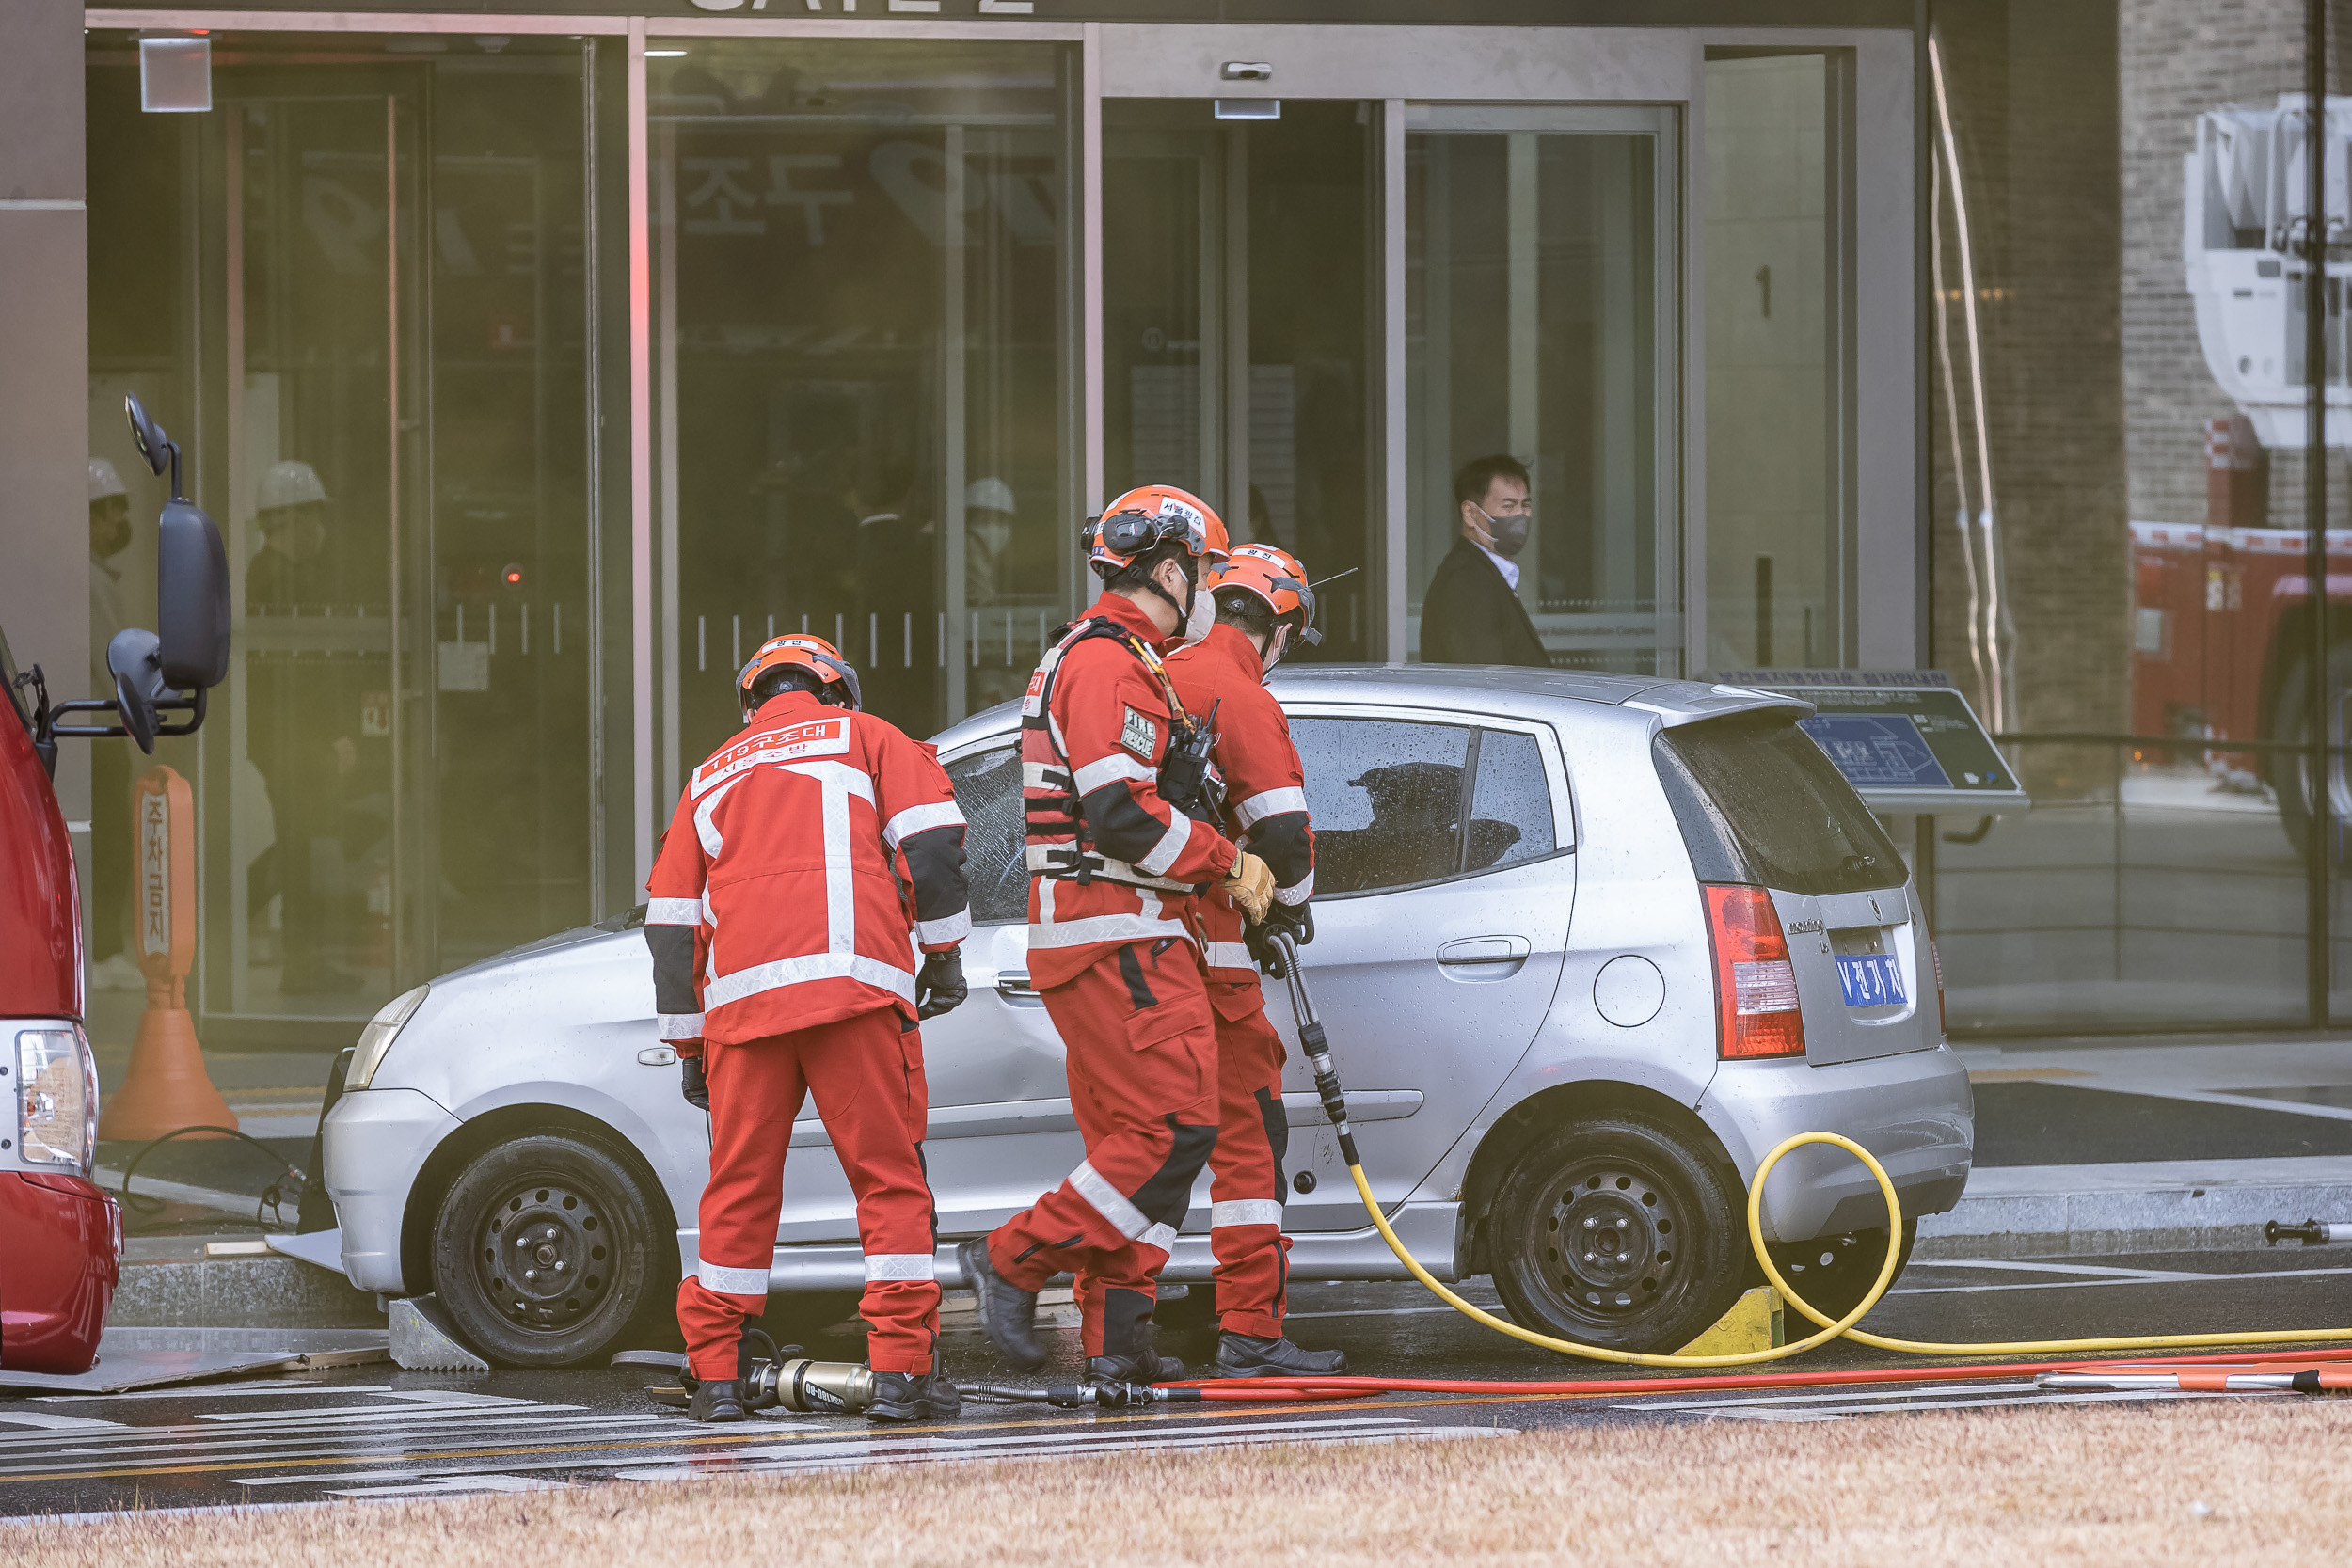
(544, 1252)
(1617, 1232)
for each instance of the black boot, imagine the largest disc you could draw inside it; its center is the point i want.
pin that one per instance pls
(1008, 1316)
(1129, 1353)
(1246, 1355)
(720, 1400)
(920, 1397)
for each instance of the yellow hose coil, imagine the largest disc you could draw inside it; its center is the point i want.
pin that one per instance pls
(1829, 1330)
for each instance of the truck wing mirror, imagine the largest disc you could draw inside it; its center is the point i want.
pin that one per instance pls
(135, 658)
(191, 598)
(192, 570)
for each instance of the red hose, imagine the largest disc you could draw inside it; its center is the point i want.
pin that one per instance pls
(1266, 1390)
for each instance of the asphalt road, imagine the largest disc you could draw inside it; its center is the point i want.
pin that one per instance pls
(376, 1431)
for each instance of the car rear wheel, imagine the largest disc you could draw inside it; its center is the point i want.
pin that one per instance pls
(1617, 1232)
(1833, 1273)
(544, 1252)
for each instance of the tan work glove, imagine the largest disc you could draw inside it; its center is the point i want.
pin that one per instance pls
(1250, 884)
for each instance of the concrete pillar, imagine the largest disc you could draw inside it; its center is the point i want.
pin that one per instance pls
(44, 343)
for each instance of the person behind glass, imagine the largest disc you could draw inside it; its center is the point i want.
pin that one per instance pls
(294, 724)
(1471, 612)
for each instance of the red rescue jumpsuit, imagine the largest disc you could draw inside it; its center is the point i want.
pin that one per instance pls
(1265, 807)
(781, 949)
(1118, 964)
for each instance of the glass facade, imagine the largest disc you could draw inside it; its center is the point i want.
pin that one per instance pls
(2124, 489)
(1540, 265)
(518, 454)
(358, 288)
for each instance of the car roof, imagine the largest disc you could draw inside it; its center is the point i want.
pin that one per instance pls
(1506, 688)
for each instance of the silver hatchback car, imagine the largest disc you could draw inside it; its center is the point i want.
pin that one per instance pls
(1587, 946)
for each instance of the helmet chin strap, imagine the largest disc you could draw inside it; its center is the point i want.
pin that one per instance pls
(1183, 610)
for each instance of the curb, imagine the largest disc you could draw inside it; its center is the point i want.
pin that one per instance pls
(2149, 1206)
(185, 1289)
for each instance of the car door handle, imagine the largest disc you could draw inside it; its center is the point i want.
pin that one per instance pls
(1484, 950)
(1017, 991)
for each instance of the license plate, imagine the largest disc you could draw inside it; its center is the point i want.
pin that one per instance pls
(1871, 980)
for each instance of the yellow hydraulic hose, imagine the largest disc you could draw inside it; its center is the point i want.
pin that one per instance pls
(1316, 1044)
(1829, 1330)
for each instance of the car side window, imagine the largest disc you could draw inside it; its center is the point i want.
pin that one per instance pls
(1510, 803)
(988, 791)
(1385, 797)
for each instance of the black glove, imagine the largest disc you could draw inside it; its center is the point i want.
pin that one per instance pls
(1295, 920)
(693, 1084)
(940, 988)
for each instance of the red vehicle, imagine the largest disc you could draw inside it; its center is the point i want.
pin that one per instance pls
(2221, 629)
(61, 1235)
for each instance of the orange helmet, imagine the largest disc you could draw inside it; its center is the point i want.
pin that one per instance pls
(801, 649)
(1153, 514)
(1273, 574)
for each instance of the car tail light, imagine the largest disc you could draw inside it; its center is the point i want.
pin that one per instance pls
(1937, 955)
(56, 1098)
(1755, 985)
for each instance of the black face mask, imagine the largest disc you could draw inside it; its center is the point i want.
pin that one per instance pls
(1505, 536)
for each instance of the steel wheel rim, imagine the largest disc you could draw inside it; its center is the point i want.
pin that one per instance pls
(545, 1254)
(1606, 1241)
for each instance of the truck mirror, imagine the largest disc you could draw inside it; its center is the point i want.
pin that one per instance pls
(135, 658)
(191, 598)
(155, 447)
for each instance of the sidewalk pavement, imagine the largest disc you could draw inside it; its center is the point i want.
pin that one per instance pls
(2089, 1147)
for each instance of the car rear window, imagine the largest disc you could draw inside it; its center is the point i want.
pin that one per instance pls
(1758, 802)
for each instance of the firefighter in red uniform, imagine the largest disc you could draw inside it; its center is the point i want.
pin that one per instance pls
(783, 967)
(1264, 607)
(1110, 764)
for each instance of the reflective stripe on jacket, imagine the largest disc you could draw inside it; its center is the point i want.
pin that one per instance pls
(1096, 726)
(776, 902)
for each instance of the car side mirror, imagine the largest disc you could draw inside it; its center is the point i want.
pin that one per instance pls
(154, 446)
(135, 658)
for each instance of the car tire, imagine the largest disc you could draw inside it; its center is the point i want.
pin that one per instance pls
(598, 1256)
(1652, 1200)
(1833, 1273)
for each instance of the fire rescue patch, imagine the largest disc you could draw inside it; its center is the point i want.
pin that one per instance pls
(1140, 735)
(815, 737)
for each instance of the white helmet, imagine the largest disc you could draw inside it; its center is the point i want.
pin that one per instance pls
(288, 484)
(988, 495)
(104, 480)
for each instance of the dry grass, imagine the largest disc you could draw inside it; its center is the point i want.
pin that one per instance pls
(2055, 1485)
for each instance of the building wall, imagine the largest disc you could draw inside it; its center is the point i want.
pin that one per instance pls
(45, 435)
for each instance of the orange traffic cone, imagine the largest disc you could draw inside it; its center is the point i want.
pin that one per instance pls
(166, 1087)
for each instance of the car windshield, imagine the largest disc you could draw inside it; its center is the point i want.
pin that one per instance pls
(1758, 801)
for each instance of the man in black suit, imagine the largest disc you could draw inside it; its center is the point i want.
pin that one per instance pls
(1471, 612)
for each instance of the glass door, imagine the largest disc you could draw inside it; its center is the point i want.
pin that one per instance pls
(1541, 326)
(358, 289)
(1239, 342)
(861, 357)
(322, 356)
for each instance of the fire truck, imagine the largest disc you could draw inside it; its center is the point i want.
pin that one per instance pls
(61, 1235)
(2221, 610)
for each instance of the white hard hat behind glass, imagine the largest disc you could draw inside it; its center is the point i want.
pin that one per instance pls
(104, 480)
(288, 484)
(988, 495)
